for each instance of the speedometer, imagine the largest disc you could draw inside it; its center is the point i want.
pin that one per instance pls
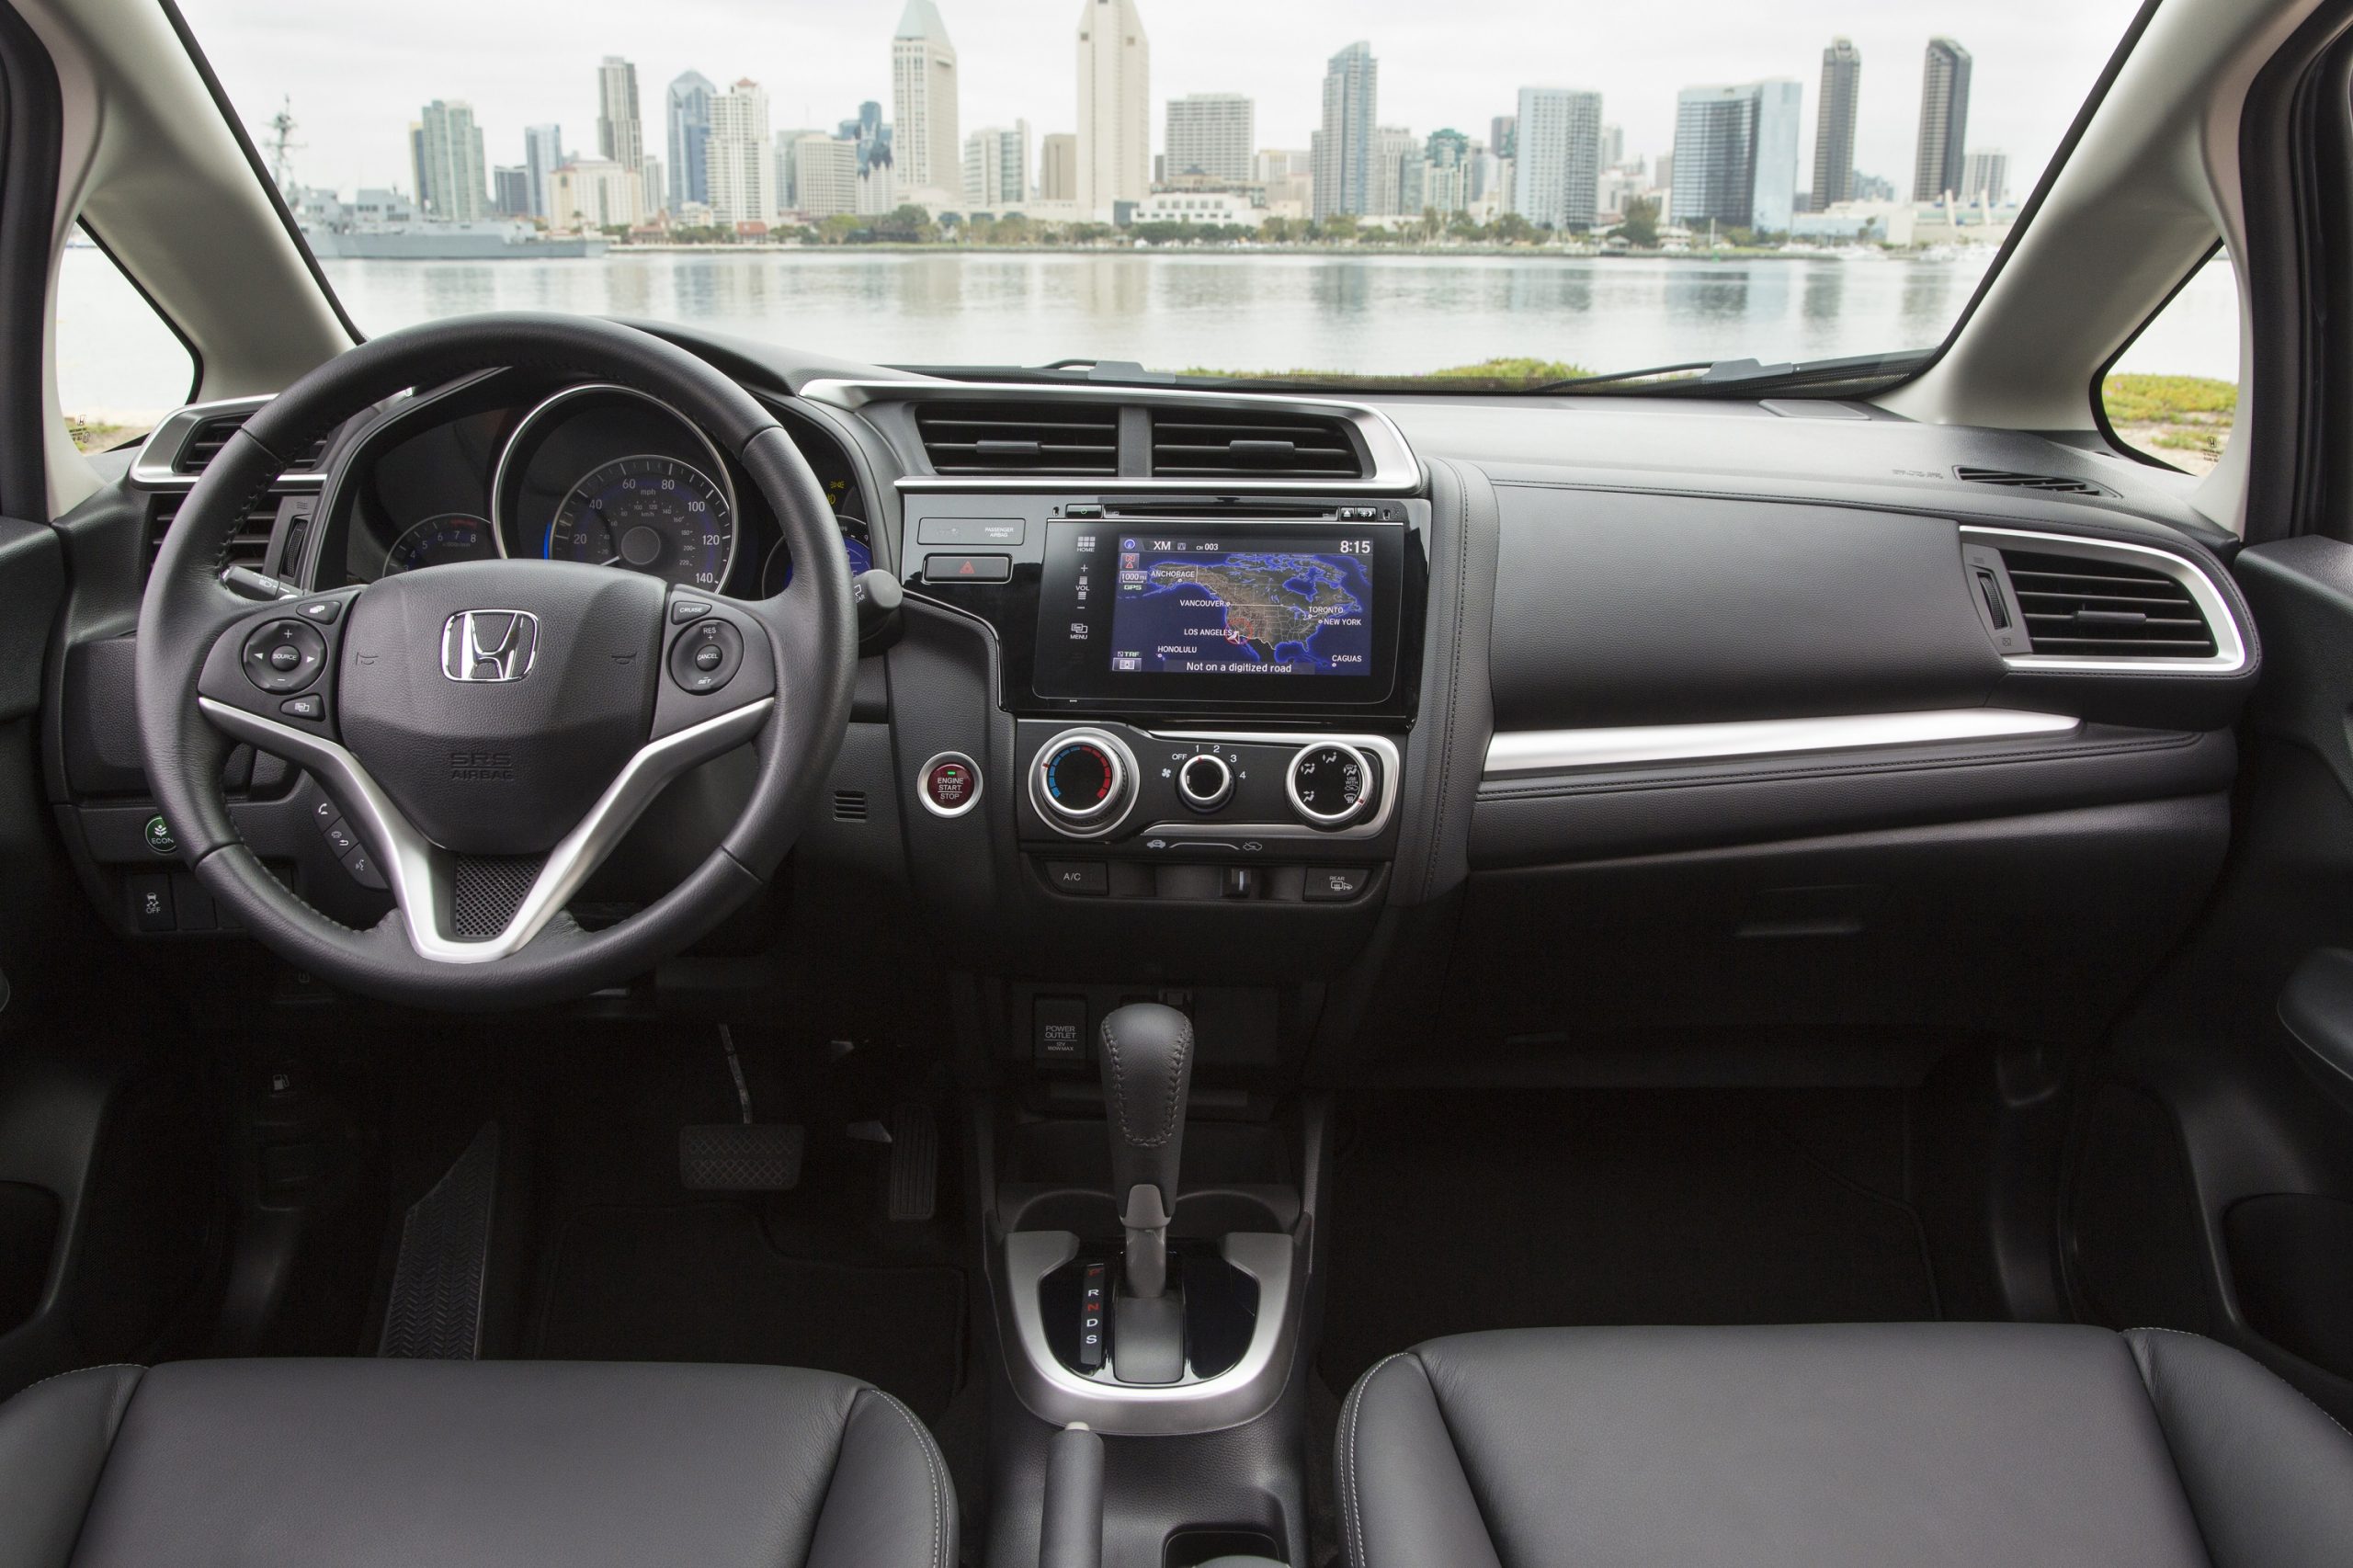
(653, 515)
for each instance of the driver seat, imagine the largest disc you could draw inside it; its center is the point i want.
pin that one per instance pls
(492, 1464)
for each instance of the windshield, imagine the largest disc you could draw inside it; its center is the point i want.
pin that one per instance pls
(1356, 191)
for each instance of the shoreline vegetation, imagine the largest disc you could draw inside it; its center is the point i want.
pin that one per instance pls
(1325, 249)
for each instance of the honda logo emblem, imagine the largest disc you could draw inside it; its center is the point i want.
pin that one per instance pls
(489, 645)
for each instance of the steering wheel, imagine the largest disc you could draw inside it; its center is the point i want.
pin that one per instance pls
(492, 729)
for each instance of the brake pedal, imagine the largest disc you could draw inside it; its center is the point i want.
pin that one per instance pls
(740, 1156)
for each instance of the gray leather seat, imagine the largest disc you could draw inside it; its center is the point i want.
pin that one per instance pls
(1859, 1446)
(503, 1464)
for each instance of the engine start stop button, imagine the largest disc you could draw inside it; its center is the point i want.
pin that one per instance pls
(951, 784)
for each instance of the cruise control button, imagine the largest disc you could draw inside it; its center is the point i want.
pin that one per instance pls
(685, 610)
(1334, 884)
(706, 656)
(310, 706)
(1089, 879)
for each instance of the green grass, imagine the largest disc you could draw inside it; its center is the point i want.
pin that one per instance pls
(1504, 374)
(2164, 400)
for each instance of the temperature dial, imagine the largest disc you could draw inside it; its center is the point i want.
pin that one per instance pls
(1205, 782)
(1082, 781)
(1332, 784)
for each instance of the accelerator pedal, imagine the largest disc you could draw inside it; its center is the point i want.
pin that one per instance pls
(740, 1156)
(436, 1309)
(915, 1162)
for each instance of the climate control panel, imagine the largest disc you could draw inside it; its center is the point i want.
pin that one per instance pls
(1160, 792)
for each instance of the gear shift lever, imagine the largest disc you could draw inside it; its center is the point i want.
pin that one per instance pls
(1147, 1073)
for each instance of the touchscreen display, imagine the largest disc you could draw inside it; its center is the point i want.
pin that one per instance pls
(1308, 615)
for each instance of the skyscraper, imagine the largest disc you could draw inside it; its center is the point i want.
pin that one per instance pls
(1558, 168)
(996, 167)
(824, 176)
(1058, 167)
(1214, 134)
(450, 177)
(510, 192)
(1114, 107)
(927, 150)
(542, 151)
(742, 167)
(1396, 172)
(1613, 146)
(1736, 155)
(620, 131)
(1446, 177)
(1833, 126)
(1343, 147)
(690, 96)
(1944, 120)
(1986, 176)
(1503, 135)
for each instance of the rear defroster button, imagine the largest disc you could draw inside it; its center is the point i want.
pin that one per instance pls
(951, 784)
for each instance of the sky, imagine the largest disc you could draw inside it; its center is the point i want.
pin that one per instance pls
(357, 74)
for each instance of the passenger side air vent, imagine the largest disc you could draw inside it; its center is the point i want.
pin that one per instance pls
(1040, 437)
(249, 547)
(204, 444)
(1247, 444)
(2089, 608)
(2048, 483)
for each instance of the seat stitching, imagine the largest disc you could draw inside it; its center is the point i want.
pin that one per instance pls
(1118, 1081)
(2186, 1334)
(1361, 1556)
(70, 1371)
(931, 1469)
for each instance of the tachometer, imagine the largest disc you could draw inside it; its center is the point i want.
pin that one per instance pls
(653, 515)
(776, 572)
(437, 541)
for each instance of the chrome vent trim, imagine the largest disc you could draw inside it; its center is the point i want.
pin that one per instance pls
(172, 457)
(1389, 466)
(2230, 654)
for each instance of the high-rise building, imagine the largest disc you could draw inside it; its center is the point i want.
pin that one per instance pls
(542, 151)
(1834, 125)
(1736, 155)
(620, 131)
(1211, 134)
(652, 189)
(1446, 176)
(1985, 176)
(1944, 120)
(1344, 178)
(451, 182)
(594, 193)
(510, 191)
(927, 150)
(1396, 185)
(1503, 135)
(1613, 146)
(1114, 107)
(1058, 167)
(1558, 166)
(996, 167)
(690, 125)
(741, 168)
(878, 188)
(824, 176)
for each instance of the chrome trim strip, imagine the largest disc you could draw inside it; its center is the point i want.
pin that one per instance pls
(418, 869)
(1243, 1393)
(1560, 751)
(1396, 469)
(150, 467)
(2230, 644)
(1384, 808)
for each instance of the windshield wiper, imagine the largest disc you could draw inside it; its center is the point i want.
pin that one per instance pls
(1716, 376)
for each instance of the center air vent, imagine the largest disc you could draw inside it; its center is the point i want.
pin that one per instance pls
(1247, 444)
(2091, 608)
(1044, 438)
(2048, 483)
(205, 442)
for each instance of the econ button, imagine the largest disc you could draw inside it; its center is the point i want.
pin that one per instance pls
(951, 784)
(159, 837)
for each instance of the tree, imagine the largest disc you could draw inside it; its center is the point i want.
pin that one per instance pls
(907, 224)
(839, 230)
(1340, 228)
(1640, 228)
(1511, 229)
(1276, 230)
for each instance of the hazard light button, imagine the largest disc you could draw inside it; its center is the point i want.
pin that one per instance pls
(968, 568)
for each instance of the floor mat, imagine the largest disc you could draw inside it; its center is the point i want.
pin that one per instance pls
(1454, 1213)
(702, 1282)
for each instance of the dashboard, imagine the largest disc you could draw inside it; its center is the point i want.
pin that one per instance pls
(597, 474)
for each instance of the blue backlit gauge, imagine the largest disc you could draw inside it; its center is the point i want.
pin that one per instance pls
(776, 574)
(653, 515)
(438, 542)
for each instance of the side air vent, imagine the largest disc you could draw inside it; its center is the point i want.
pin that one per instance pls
(1246, 444)
(2048, 483)
(2090, 607)
(249, 547)
(204, 444)
(1044, 438)
(849, 805)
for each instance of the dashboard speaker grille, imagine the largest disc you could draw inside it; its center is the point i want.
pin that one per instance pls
(1243, 444)
(1020, 438)
(2096, 608)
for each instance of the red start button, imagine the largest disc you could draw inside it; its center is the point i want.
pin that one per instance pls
(951, 782)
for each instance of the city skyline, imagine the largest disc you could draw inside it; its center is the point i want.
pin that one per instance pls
(2026, 88)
